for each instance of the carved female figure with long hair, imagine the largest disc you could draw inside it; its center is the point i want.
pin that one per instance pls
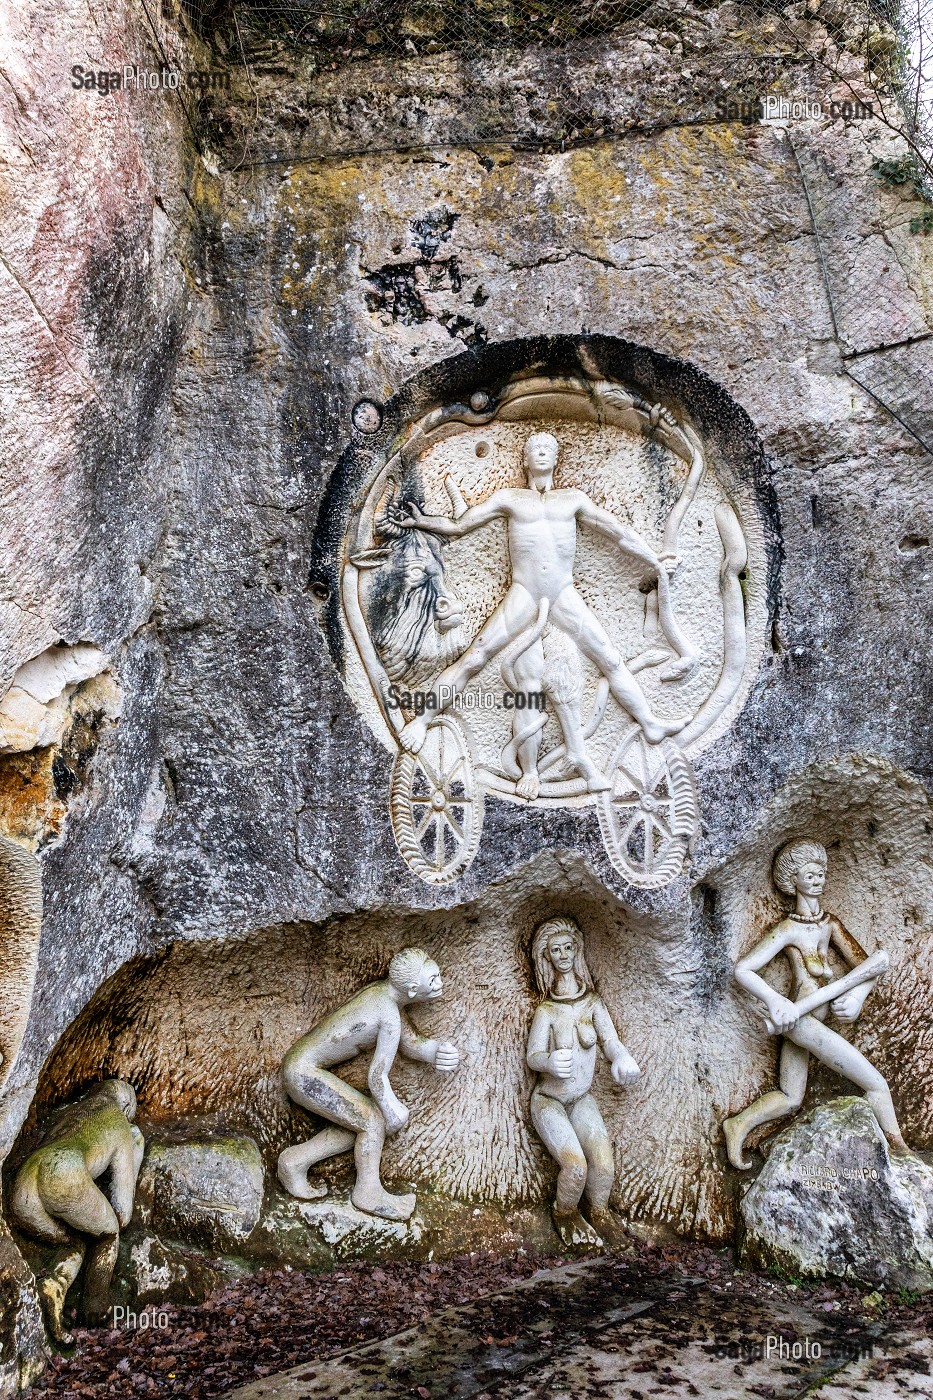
(570, 1024)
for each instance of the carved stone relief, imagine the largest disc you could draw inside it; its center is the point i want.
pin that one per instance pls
(20, 925)
(806, 937)
(55, 1198)
(570, 1023)
(553, 601)
(371, 1020)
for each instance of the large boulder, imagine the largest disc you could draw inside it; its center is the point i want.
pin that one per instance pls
(205, 1191)
(831, 1199)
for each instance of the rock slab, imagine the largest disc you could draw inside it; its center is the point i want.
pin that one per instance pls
(831, 1200)
(207, 1191)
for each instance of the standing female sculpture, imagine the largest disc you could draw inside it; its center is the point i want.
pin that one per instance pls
(568, 1025)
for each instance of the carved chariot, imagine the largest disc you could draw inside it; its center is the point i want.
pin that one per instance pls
(648, 809)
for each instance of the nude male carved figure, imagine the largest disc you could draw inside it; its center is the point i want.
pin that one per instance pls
(542, 539)
(805, 937)
(371, 1020)
(569, 1024)
(56, 1199)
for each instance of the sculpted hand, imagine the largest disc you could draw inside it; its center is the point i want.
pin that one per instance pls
(447, 1056)
(396, 1116)
(848, 1007)
(411, 516)
(561, 1063)
(783, 1014)
(624, 1068)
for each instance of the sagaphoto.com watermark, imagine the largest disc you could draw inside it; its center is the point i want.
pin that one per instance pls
(132, 78)
(790, 109)
(777, 1348)
(420, 702)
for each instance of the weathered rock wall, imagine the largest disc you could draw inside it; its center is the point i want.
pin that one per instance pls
(184, 349)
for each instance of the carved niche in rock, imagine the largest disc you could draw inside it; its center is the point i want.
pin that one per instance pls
(552, 600)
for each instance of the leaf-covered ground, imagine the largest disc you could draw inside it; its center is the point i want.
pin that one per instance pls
(279, 1319)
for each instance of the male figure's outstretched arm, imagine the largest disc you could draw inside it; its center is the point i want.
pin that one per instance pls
(480, 514)
(439, 1053)
(621, 534)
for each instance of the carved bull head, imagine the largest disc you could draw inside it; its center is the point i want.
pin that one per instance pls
(412, 614)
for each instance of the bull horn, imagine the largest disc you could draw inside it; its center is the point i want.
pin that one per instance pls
(370, 558)
(456, 497)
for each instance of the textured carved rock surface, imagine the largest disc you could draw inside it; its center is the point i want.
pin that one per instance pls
(831, 1199)
(24, 1349)
(183, 343)
(206, 1191)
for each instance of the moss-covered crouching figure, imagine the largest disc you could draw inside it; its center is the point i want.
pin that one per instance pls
(55, 1198)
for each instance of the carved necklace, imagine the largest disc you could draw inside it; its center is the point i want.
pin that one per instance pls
(577, 996)
(809, 918)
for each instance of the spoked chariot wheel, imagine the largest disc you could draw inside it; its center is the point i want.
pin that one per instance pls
(649, 815)
(435, 804)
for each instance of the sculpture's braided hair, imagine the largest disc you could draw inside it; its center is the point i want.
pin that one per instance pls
(543, 968)
(791, 858)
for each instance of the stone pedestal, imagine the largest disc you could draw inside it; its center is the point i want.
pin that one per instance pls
(831, 1199)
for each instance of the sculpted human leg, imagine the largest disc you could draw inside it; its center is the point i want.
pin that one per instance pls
(365, 1130)
(527, 724)
(68, 1192)
(553, 1124)
(587, 1122)
(836, 1052)
(777, 1103)
(31, 1216)
(295, 1162)
(516, 611)
(571, 615)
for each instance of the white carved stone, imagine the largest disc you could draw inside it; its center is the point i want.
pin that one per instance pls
(373, 1019)
(529, 548)
(570, 1025)
(806, 937)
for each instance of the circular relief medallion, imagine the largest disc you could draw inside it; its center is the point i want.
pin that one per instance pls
(553, 600)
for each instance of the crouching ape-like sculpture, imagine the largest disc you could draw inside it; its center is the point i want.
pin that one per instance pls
(55, 1198)
(805, 937)
(371, 1020)
(568, 1025)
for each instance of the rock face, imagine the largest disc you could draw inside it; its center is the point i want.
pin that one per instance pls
(832, 1200)
(192, 318)
(206, 1191)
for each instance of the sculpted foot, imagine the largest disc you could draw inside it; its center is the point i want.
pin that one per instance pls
(383, 1204)
(897, 1145)
(52, 1297)
(528, 786)
(595, 781)
(294, 1176)
(574, 1231)
(412, 735)
(610, 1227)
(735, 1140)
(657, 729)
